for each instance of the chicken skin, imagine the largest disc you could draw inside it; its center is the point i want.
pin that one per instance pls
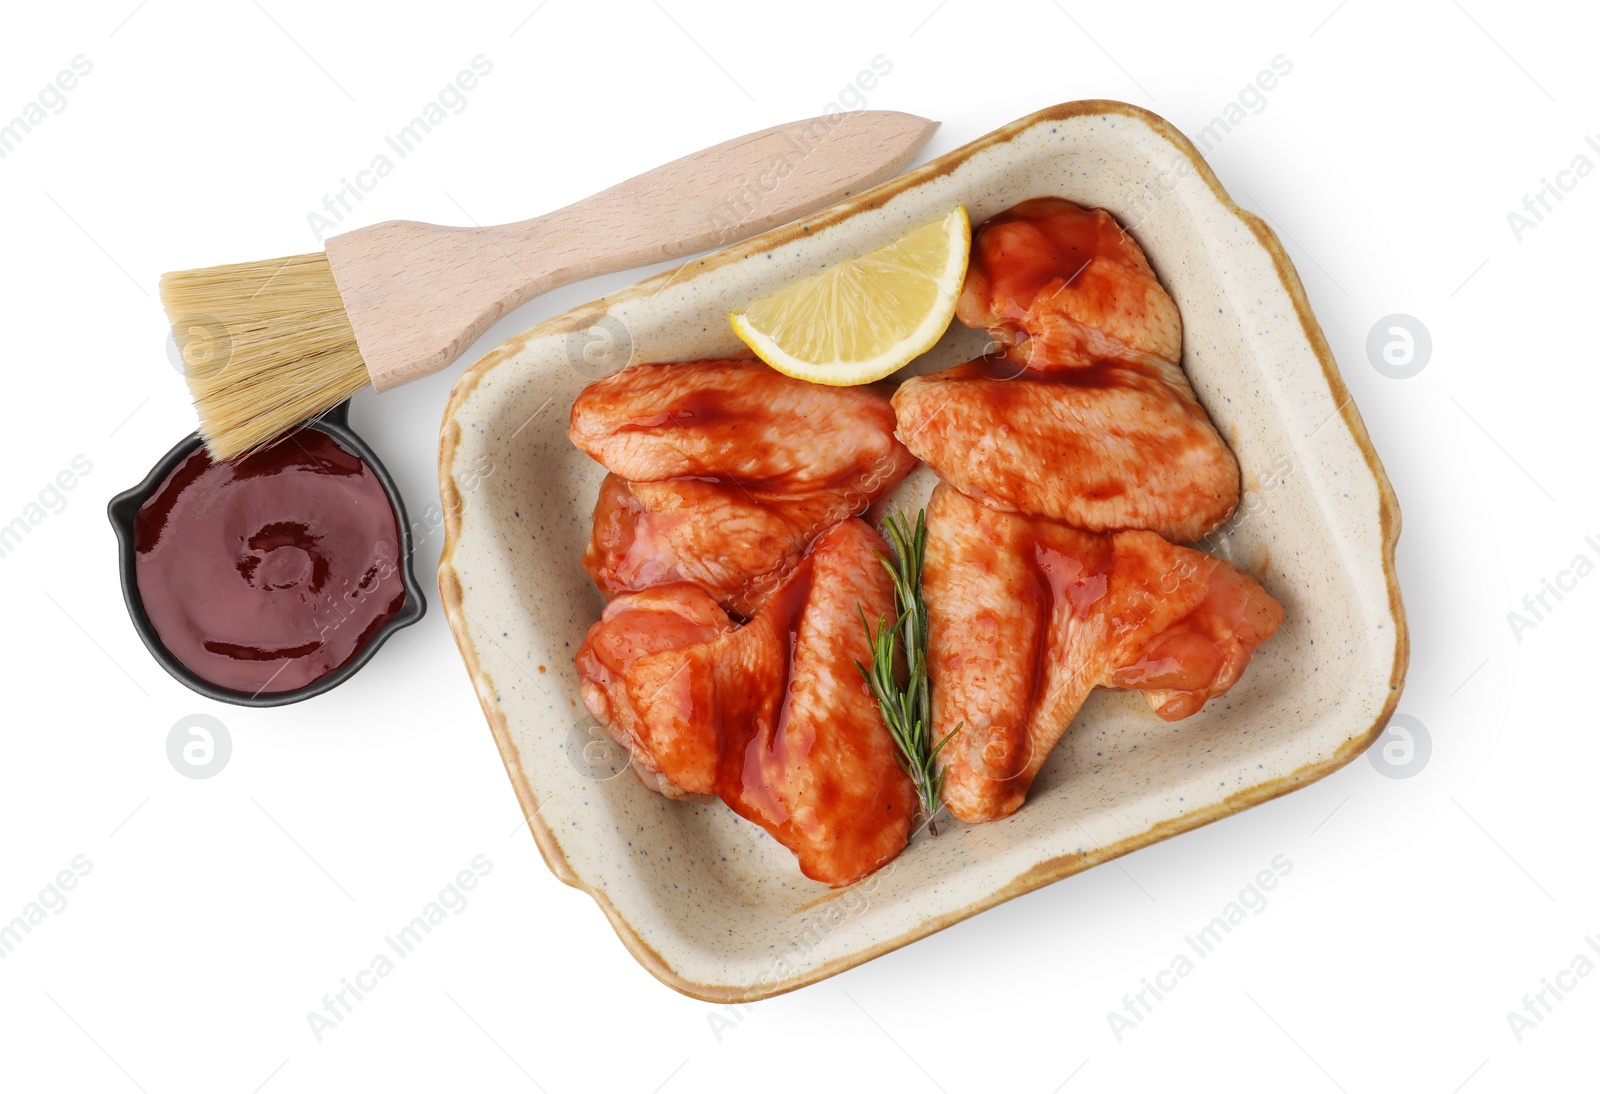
(772, 717)
(1065, 286)
(1114, 446)
(1027, 616)
(723, 471)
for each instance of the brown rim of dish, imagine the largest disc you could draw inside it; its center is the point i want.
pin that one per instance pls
(1040, 874)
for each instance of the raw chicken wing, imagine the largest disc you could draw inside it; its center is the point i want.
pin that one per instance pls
(735, 544)
(736, 420)
(1112, 446)
(1027, 616)
(772, 717)
(1086, 417)
(666, 617)
(734, 468)
(1066, 286)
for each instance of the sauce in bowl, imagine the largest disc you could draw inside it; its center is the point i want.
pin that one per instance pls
(265, 573)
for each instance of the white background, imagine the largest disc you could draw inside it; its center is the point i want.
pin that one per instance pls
(219, 911)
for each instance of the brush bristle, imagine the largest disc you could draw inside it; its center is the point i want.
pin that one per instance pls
(266, 346)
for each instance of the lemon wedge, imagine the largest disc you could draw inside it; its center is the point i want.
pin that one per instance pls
(866, 317)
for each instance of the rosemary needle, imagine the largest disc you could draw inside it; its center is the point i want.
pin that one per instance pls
(907, 707)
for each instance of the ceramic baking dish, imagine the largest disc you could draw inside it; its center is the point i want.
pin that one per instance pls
(708, 902)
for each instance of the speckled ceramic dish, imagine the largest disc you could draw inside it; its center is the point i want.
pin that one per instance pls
(712, 905)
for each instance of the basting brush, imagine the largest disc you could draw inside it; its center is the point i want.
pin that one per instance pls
(288, 339)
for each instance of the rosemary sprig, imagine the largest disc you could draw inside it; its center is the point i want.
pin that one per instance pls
(907, 706)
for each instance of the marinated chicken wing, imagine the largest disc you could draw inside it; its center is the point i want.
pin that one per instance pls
(1027, 616)
(1117, 445)
(1065, 286)
(734, 420)
(772, 717)
(734, 469)
(666, 617)
(735, 544)
(1088, 417)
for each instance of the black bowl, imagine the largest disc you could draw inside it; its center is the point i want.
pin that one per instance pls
(125, 507)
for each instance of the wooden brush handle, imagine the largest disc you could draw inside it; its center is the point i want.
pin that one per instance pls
(419, 294)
